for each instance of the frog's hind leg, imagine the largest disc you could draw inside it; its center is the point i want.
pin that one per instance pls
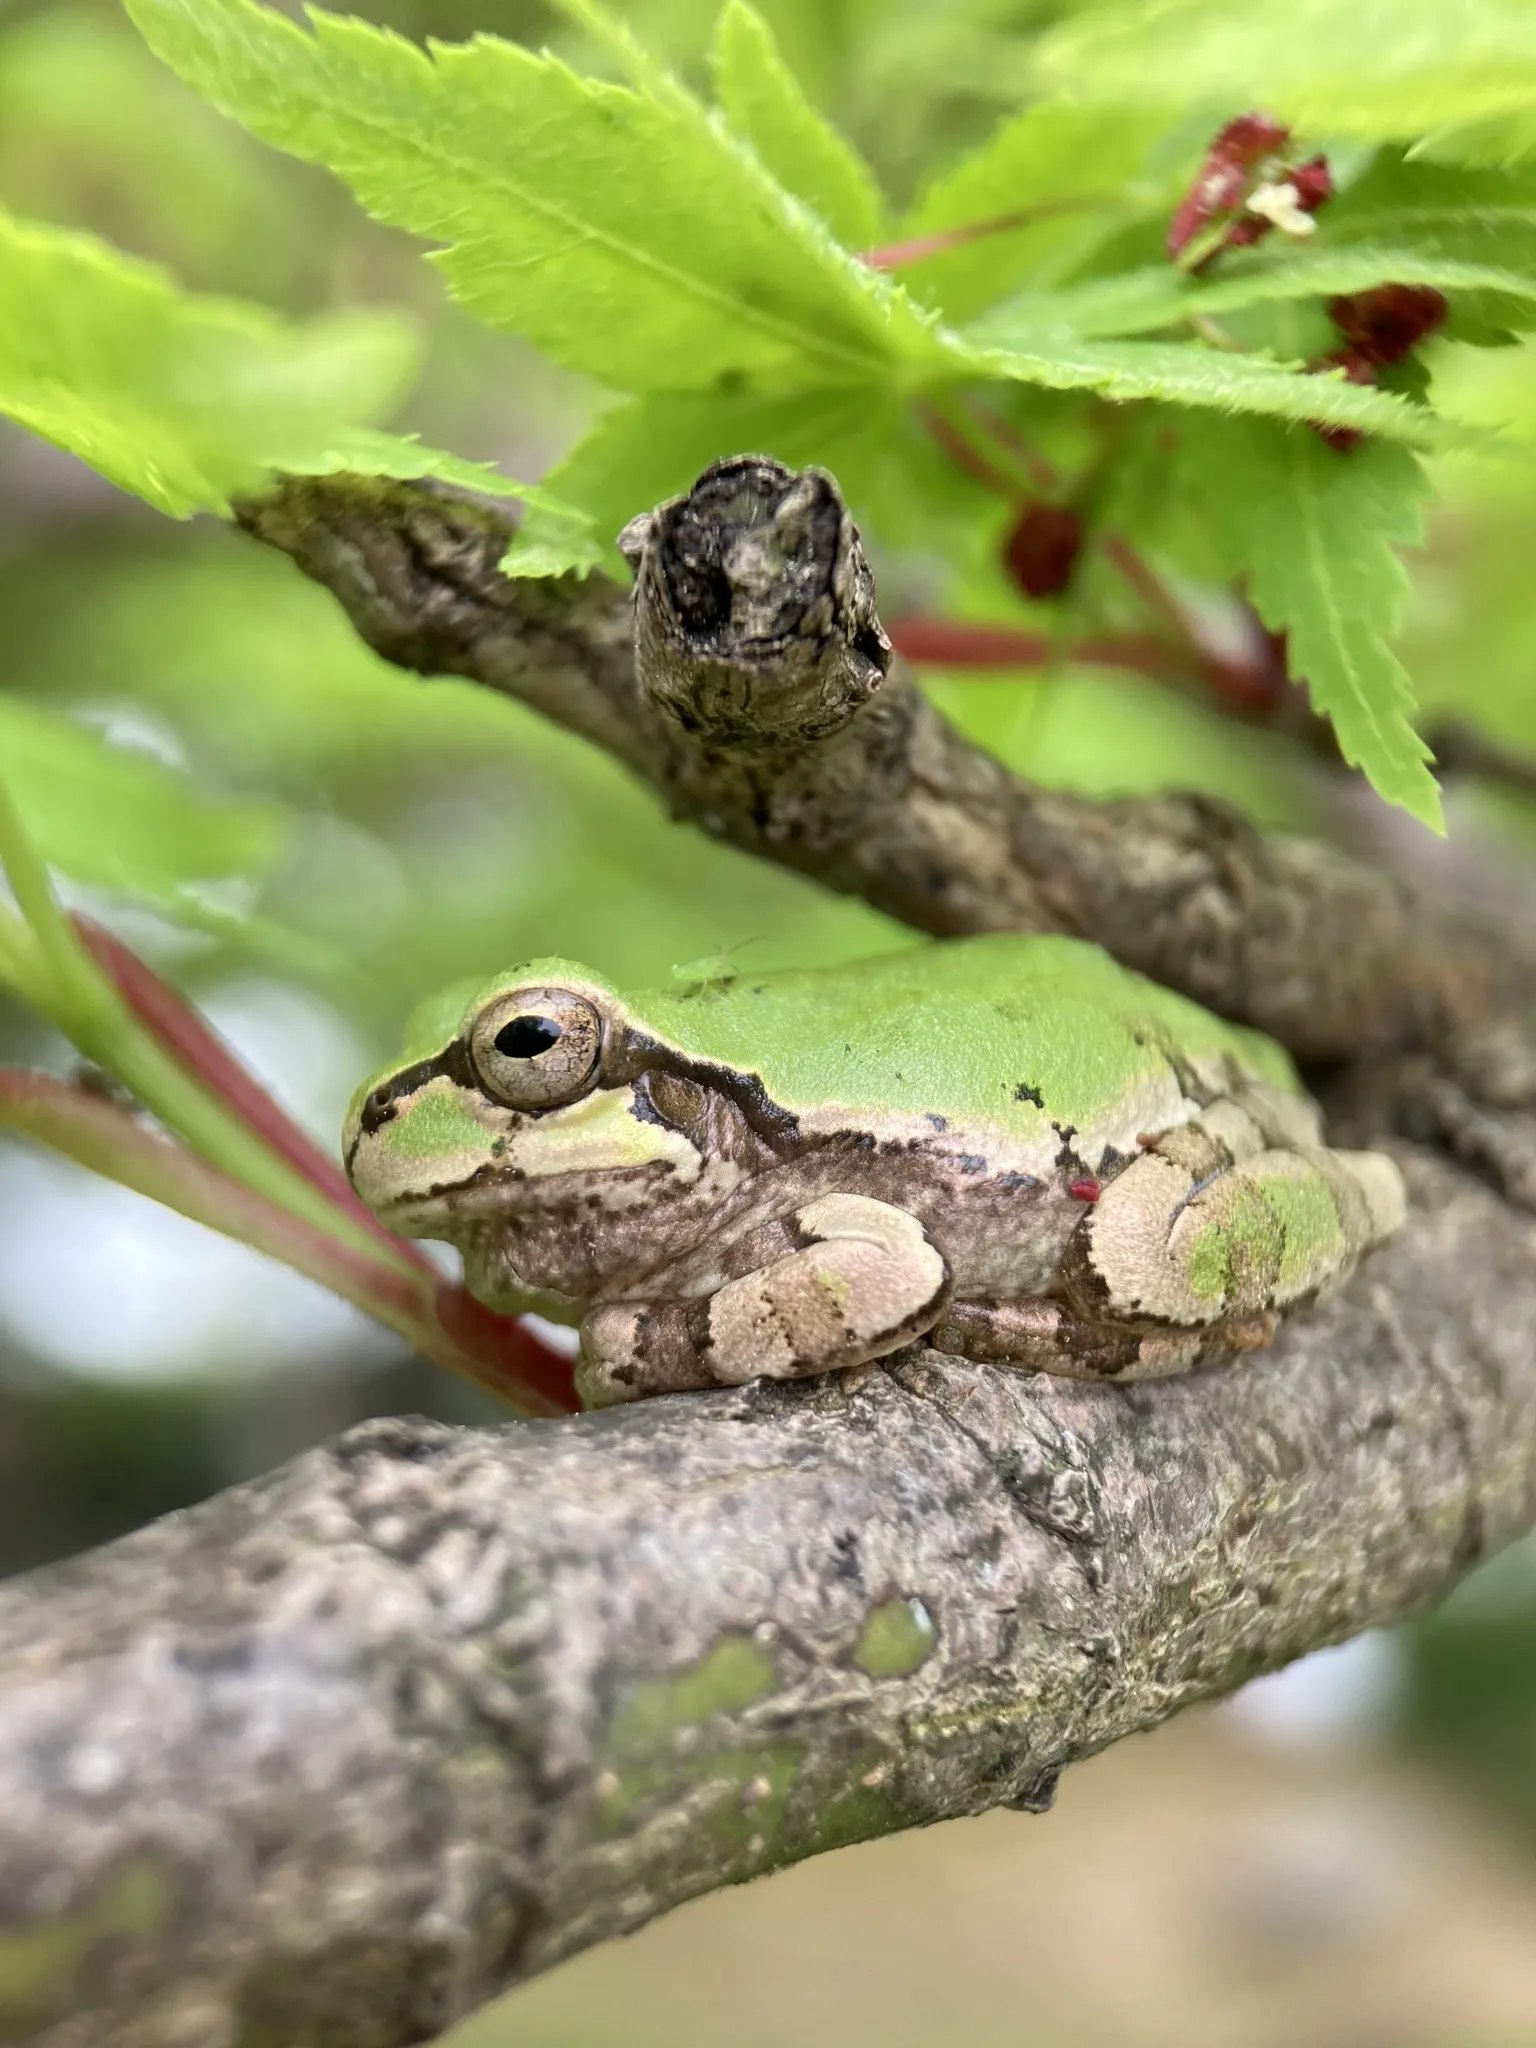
(1194, 1250)
(857, 1278)
(1051, 1336)
(1215, 1224)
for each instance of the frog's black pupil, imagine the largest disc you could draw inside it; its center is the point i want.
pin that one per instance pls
(526, 1037)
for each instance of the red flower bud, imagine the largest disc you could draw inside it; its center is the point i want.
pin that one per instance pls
(1243, 157)
(1042, 550)
(1314, 183)
(1248, 140)
(1381, 326)
(1219, 184)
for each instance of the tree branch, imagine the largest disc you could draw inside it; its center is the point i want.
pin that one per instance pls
(860, 782)
(338, 1755)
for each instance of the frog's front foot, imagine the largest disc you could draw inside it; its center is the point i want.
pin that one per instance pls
(867, 1279)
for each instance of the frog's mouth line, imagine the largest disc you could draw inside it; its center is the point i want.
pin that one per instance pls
(571, 1193)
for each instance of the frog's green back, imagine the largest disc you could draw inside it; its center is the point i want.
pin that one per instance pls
(967, 1028)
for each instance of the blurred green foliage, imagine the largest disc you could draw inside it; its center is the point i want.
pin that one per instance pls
(1472, 1706)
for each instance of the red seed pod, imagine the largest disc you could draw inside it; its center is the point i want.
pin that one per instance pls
(1219, 183)
(1086, 1190)
(1314, 183)
(1242, 235)
(1255, 685)
(1381, 326)
(1358, 369)
(1041, 552)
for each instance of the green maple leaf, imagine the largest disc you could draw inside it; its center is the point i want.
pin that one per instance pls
(187, 401)
(1315, 531)
(764, 103)
(624, 232)
(896, 478)
(1139, 301)
(177, 399)
(1065, 177)
(1193, 375)
(117, 818)
(1472, 215)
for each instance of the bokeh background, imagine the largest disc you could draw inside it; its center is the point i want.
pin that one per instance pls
(1344, 1855)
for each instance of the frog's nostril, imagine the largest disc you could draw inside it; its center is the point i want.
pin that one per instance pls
(378, 1108)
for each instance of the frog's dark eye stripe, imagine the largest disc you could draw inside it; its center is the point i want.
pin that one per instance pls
(536, 1048)
(526, 1037)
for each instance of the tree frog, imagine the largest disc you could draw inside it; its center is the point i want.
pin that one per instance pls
(1009, 1145)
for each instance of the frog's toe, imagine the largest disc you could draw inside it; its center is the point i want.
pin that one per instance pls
(598, 1386)
(1167, 1245)
(1381, 1183)
(1049, 1336)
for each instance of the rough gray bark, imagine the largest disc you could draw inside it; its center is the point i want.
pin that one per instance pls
(335, 1757)
(328, 1761)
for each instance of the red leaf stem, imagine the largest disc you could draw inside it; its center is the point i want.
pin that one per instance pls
(445, 1323)
(107, 1137)
(176, 1025)
(1249, 689)
(965, 454)
(959, 643)
(1043, 475)
(538, 1377)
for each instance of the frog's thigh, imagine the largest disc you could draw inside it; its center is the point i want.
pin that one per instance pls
(1190, 1254)
(868, 1279)
(1173, 1244)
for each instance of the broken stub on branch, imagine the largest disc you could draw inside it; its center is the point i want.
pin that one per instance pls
(1243, 189)
(755, 620)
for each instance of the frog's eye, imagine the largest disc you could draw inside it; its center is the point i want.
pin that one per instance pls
(536, 1048)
